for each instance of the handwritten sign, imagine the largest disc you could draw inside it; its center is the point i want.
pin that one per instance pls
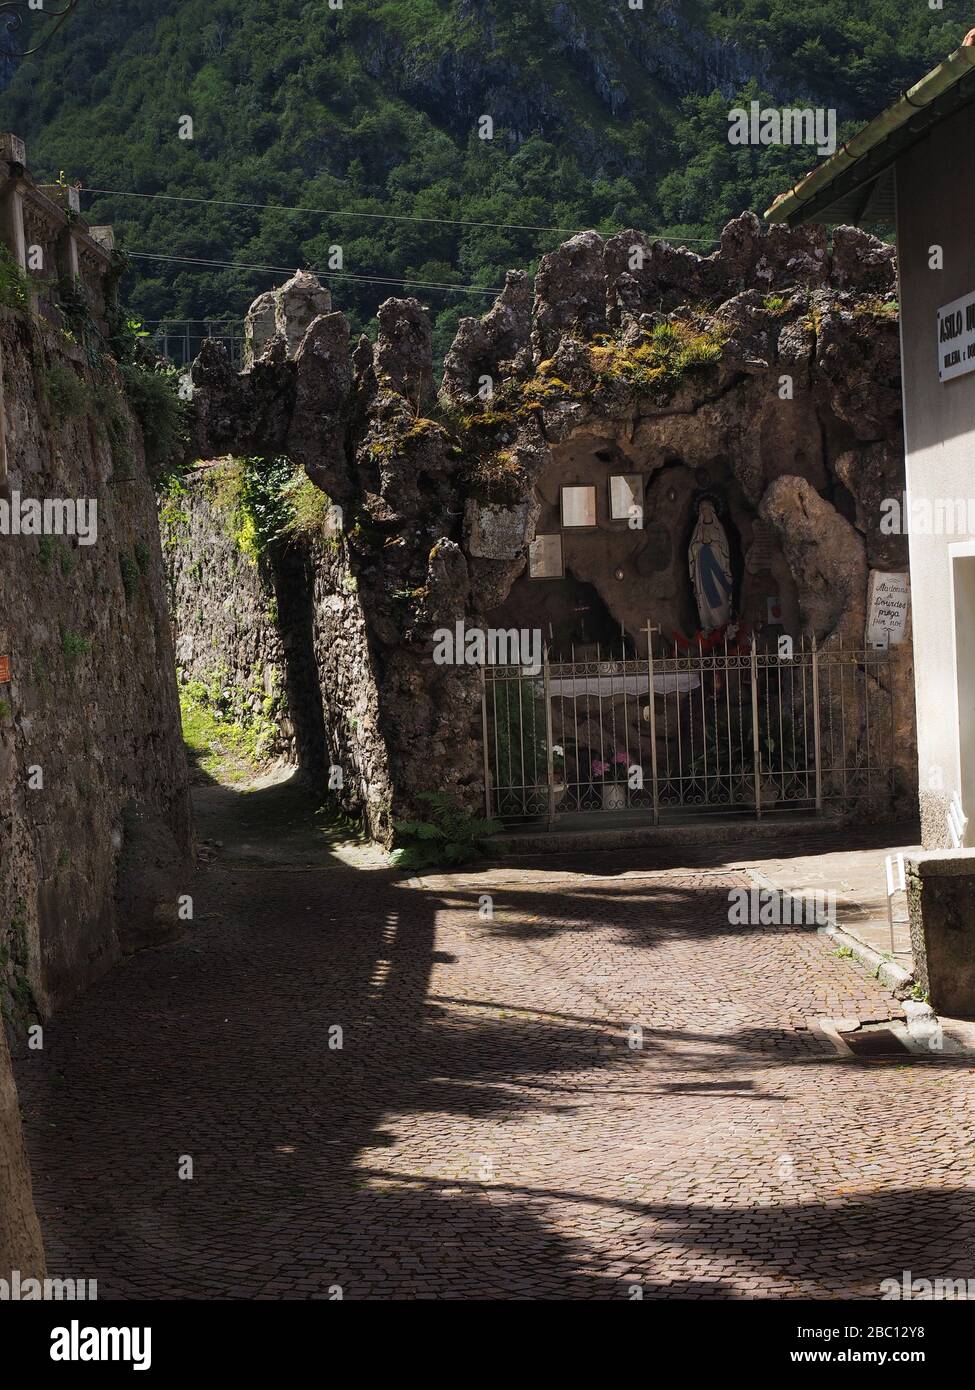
(888, 608)
(956, 337)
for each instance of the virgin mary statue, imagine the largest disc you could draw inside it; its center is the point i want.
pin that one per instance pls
(710, 564)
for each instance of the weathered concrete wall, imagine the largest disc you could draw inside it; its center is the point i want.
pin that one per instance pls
(92, 769)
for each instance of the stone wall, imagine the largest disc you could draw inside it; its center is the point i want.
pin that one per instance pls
(225, 620)
(93, 783)
(286, 624)
(20, 1236)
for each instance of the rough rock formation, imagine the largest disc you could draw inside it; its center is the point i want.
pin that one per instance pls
(825, 555)
(766, 374)
(284, 313)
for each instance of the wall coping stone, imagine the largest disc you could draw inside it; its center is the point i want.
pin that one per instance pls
(941, 863)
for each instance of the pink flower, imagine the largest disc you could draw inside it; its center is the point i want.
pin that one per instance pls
(599, 769)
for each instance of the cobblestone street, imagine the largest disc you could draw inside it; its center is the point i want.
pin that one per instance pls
(486, 1128)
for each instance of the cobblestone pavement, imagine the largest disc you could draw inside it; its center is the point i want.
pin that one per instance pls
(486, 1128)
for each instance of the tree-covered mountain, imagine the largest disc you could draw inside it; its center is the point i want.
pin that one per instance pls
(603, 116)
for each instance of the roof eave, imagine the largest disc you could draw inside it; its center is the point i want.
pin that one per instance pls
(794, 206)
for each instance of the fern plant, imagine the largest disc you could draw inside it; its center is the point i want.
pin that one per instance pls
(450, 835)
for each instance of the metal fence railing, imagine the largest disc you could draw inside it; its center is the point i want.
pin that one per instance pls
(727, 729)
(180, 340)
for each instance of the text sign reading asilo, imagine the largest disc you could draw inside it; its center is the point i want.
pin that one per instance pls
(956, 337)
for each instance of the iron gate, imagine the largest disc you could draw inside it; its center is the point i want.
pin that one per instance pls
(730, 729)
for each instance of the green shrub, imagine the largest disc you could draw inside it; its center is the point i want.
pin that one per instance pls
(73, 645)
(259, 496)
(219, 723)
(173, 515)
(163, 417)
(450, 836)
(311, 510)
(14, 286)
(64, 391)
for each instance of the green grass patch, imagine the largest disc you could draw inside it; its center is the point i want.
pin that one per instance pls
(221, 739)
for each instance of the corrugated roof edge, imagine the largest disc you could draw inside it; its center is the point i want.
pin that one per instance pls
(933, 85)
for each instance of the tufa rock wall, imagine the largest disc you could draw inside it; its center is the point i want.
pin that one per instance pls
(767, 372)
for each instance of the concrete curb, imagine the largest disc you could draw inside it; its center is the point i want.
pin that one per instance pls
(892, 976)
(563, 840)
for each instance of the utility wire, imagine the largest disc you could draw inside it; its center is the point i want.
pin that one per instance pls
(328, 274)
(337, 212)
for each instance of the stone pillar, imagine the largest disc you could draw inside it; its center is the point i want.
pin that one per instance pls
(69, 200)
(13, 153)
(297, 303)
(12, 222)
(104, 237)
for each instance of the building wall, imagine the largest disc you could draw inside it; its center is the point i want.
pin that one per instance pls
(936, 207)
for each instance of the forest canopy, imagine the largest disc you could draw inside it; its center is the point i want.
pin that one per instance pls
(603, 116)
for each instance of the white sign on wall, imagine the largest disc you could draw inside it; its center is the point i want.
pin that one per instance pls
(545, 557)
(956, 337)
(888, 608)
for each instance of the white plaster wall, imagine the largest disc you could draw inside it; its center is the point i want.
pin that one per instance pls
(936, 207)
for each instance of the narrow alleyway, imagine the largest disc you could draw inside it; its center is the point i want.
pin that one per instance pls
(486, 1128)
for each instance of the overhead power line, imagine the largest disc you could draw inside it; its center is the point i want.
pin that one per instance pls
(327, 274)
(331, 212)
(374, 216)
